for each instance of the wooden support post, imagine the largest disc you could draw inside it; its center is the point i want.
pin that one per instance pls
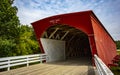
(40, 58)
(57, 37)
(71, 38)
(64, 35)
(45, 34)
(53, 33)
(8, 65)
(27, 61)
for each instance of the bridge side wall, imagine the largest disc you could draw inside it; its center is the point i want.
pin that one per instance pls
(106, 47)
(55, 49)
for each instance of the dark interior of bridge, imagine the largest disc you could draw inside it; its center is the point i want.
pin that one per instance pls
(77, 42)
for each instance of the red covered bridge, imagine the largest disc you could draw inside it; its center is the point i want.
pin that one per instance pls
(74, 35)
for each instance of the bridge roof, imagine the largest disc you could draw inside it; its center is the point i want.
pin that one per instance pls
(57, 19)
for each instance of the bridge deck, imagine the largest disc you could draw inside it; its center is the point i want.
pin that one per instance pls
(78, 66)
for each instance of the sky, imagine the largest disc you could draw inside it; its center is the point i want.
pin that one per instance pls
(107, 11)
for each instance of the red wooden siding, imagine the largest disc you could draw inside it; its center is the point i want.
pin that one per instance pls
(105, 45)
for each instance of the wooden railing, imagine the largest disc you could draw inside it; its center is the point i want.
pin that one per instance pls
(8, 62)
(102, 69)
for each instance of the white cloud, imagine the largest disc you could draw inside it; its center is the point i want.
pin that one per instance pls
(107, 11)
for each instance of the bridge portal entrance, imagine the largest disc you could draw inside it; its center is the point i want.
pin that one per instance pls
(61, 42)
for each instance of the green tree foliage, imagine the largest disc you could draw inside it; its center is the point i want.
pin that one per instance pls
(27, 43)
(7, 48)
(118, 44)
(9, 22)
(15, 39)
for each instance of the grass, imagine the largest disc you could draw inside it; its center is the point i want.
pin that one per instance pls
(118, 51)
(115, 70)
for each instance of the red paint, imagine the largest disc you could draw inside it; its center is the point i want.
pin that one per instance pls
(88, 23)
(106, 47)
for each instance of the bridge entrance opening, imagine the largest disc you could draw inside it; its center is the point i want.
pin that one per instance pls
(61, 42)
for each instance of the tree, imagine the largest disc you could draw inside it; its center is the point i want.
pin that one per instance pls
(7, 48)
(27, 43)
(9, 22)
(15, 39)
(118, 44)
(9, 25)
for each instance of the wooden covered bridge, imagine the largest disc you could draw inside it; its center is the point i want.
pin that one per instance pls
(74, 35)
(70, 42)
